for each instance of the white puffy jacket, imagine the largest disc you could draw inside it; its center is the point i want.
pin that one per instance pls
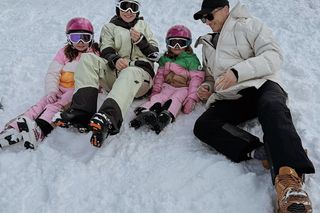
(246, 45)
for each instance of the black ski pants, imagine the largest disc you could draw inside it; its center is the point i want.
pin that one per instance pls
(217, 127)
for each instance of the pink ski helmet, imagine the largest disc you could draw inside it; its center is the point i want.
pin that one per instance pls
(179, 31)
(79, 24)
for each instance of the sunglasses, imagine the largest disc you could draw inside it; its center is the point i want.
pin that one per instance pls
(125, 6)
(77, 37)
(178, 43)
(209, 16)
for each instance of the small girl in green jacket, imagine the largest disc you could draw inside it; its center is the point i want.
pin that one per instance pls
(175, 84)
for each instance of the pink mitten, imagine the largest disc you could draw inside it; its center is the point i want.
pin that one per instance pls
(188, 105)
(52, 97)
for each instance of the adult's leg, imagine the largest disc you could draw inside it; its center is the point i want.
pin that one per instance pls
(217, 127)
(280, 136)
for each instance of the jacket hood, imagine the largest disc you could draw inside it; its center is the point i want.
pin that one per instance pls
(239, 11)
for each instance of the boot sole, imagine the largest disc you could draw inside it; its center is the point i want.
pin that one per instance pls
(295, 208)
(97, 139)
(61, 124)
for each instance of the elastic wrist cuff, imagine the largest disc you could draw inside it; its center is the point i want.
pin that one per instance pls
(140, 39)
(235, 72)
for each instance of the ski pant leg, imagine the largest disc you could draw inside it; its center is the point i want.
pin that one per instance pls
(280, 136)
(217, 127)
(131, 82)
(163, 96)
(177, 98)
(64, 98)
(44, 121)
(32, 113)
(90, 71)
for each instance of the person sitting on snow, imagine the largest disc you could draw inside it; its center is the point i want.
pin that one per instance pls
(32, 126)
(125, 69)
(243, 62)
(175, 85)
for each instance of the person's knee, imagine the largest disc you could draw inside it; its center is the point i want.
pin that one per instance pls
(87, 60)
(205, 126)
(273, 102)
(85, 57)
(133, 73)
(201, 127)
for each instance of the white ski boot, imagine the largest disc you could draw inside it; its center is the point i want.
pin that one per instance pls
(10, 136)
(30, 132)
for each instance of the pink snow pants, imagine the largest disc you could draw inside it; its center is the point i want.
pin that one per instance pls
(45, 110)
(177, 95)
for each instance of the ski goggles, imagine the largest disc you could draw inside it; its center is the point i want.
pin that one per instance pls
(209, 16)
(125, 6)
(178, 43)
(77, 37)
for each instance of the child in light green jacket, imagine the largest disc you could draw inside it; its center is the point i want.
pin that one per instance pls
(124, 69)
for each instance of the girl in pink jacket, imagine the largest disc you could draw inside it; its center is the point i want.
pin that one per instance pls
(36, 123)
(175, 84)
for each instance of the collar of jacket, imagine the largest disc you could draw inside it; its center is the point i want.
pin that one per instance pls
(205, 40)
(118, 21)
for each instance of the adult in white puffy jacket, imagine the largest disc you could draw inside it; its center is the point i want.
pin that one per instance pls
(242, 63)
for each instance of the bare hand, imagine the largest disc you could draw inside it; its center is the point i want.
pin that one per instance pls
(203, 92)
(122, 63)
(135, 35)
(225, 81)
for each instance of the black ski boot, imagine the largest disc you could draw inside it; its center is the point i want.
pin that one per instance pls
(101, 126)
(164, 119)
(72, 118)
(146, 117)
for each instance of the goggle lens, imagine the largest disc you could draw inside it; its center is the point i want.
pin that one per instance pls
(178, 43)
(77, 37)
(125, 6)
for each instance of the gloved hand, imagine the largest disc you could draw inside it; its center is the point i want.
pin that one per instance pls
(52, 97)
(188, 105)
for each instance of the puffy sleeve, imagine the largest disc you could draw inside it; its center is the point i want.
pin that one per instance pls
(53, 73)
(267, 57)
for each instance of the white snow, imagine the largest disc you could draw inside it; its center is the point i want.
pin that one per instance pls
(139, 171)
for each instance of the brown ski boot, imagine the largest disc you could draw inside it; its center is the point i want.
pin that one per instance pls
(291, 198)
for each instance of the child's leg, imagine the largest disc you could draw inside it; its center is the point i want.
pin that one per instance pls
(169, 114)
(161, 97)
(177, 97)
(32, 113)
(44, 121)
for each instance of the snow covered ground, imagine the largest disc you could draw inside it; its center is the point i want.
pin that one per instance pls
(138, 171)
